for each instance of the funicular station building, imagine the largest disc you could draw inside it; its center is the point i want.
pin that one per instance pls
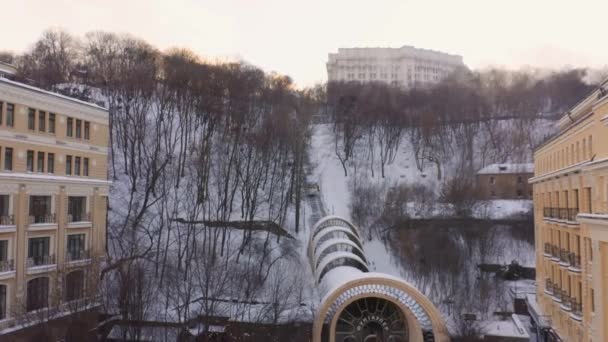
(363, 306)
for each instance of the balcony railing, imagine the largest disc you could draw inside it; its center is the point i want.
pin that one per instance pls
(576, 307)
(547, 248)
(7, 265)
(7, 220)
(555, 252)
(566, 214)
(549, 286)
(79, 217)
(81, 254)
(46, 218)
(564, 256)
(41, 260)
(575, 260)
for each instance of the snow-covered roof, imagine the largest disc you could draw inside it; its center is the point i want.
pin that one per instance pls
(495, 169)
(50, 93)
(8, 69)
(507, 328)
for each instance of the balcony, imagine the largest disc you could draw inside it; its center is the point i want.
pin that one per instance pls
(81, 217)
(42, 260)
(7, 269)
(562, 214)
(549, 286)
(81, 254)
(7, 220)
(547, 252)
(575, 262)
(564, 257)
(576, 309)
(555, 253)
(566, 304)
(42, 222)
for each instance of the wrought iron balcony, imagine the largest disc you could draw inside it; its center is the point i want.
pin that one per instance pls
(7, 220)
(41, 260)
(572, 212)
(547, 248)
(81, 254)
(46, 218)
(555, 252)
(7, 265)
(549, 286)
(79, 217)
(566, 214)
(575, 260)
(576, 307)
(564, 256)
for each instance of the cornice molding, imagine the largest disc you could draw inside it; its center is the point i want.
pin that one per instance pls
(52, 103)
(51, 141)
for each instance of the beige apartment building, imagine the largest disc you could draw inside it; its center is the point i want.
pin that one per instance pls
(53, 199)
(571, 223)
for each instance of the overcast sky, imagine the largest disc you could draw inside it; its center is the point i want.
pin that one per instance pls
(294, 37)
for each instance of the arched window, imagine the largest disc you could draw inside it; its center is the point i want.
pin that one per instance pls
(37, 293)
(74, 285)
(3, 304)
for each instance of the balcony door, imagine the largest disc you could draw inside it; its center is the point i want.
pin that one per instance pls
(77, 208)
(38, 250)
(37, 293)
(40, 209)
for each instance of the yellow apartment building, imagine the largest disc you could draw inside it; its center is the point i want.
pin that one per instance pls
(570, 187)
(53, 199)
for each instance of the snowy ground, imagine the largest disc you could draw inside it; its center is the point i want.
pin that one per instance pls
(335, 196)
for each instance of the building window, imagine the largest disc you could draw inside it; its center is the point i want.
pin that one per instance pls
(31, 119)
(78, 128)
(592, 299)
(519, 180)
(77, 166)
(50, 162)
(52, 123)
(8, 158)
(1, 111)
(70, 127)
(493, 193)
(41, 121)
(519, 194)
(38, 251)
(10, 115)
(74, 282)
(76, 249)
(40, 162)
(40, 209)
(37, 293)
(492, 180)
(30, 161)
(5, 218)
(68, 165)
(77, 208)
(87, 130)
(85, 167)
(2, 301)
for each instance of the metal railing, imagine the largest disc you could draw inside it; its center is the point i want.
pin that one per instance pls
(566, 214)
(79, 217)
(7, 220)
(564, 256)
(575, 260)
(81, 254)
(555, 252)
(46, 218)
(41, 260)
(547, 248)
(7, 265)
(549, 287)
(576, 307)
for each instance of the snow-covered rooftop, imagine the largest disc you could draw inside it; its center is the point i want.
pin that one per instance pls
(494, 169)
(50, 93)
(508, 328)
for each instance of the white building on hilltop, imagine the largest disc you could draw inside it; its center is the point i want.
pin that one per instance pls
(406, 66)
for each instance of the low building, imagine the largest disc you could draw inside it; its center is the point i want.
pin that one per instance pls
(571, 223)
(53, 202)
(505, 181)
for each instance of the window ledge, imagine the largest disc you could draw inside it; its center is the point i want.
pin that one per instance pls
(76, 263)
(8, 228)
(41, 269)
(80, 224)
(7, 275)
(42, 226)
